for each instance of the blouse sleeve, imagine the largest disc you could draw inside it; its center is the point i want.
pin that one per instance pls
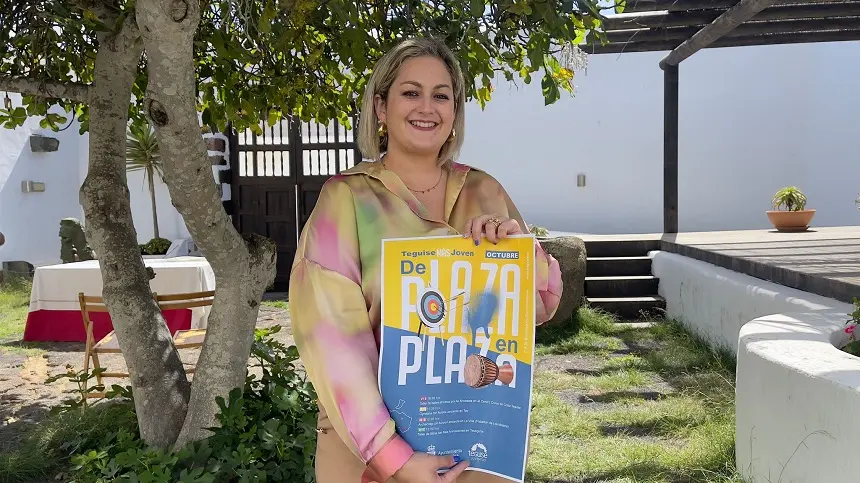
(334, 336)
(547, 273)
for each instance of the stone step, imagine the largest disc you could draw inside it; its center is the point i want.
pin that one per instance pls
(621, 286)
(620, 248)
(608, 266)
(629, 308)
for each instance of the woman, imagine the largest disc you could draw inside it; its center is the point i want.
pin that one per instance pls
(413, 112)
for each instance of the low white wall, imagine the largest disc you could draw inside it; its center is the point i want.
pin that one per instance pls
(796, 400)
(715, 303)
(796, 394)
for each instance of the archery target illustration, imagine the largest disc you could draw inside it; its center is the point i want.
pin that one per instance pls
(431, 308)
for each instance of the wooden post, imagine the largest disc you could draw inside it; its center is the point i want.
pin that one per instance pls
(670, 149)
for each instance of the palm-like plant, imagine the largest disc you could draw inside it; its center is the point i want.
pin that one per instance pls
(141, 153)
(789, 197)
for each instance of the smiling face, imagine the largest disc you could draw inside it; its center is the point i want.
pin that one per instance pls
(419, 110)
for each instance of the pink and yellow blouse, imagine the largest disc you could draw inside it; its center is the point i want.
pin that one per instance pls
(335, 291)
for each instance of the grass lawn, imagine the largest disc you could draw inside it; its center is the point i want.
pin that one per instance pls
(14, 301)
(618, 403)
(279, 304)
(630, 403)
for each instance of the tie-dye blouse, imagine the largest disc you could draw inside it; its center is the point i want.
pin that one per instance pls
(335, 291)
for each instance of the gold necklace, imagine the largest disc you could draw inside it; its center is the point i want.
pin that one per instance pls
(418, 191)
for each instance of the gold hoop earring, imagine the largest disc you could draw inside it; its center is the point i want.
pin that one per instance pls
(453, 135)
(382, 131)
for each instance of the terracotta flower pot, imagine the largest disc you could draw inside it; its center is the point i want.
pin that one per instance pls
(790, 220)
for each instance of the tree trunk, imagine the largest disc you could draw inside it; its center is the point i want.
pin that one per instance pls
(243, 268)
(161, 390)
(151, 175)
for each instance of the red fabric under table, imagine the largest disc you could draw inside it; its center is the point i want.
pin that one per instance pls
(68, 325)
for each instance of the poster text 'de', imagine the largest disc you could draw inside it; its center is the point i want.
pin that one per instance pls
(458, 324)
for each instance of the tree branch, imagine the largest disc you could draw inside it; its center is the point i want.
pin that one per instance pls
(51, 89)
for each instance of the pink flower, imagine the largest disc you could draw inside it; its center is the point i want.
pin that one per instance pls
(850, 330)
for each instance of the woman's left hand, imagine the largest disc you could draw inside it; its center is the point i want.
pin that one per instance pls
(494, 227)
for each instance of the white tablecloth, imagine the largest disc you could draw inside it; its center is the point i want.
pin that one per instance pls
(56, 287)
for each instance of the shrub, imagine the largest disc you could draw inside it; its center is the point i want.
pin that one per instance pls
(46, 449)
(267, 433)
(853, 346)
(156, 246)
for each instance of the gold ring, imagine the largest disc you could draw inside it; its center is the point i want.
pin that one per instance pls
(494, 221)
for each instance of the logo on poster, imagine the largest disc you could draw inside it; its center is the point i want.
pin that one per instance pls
(478, 452)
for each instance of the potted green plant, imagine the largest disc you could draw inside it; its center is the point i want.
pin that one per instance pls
(538, 231)
(789, 210)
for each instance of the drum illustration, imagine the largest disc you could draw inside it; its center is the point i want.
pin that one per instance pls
(481, 371)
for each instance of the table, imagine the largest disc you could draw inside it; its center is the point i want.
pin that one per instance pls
(55, 313)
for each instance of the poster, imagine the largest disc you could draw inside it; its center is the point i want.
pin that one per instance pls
(457, 345)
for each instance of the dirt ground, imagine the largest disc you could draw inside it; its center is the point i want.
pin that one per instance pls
(25, 398)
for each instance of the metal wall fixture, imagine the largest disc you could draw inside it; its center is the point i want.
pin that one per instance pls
(32, 187)
(580, 180)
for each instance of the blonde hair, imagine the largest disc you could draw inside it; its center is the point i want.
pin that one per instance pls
(369, 142)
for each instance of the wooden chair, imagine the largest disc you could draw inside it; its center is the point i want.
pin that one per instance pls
(106, 345)
(183, 339)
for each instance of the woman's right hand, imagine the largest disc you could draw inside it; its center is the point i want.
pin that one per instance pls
(421, 468)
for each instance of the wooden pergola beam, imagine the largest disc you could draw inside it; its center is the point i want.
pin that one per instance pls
(731, 18)
(801, 28)
(735, 39)
(674, 5)
(644, 6)
(779, 11)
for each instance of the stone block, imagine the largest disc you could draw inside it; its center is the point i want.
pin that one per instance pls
(217, 160)
(18, 267)
(43, 144)
(571, 256)
(216, 144)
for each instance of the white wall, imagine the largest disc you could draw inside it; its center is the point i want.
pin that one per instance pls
(715, 303)
(752, 120)
(31, 221)
(170, 223)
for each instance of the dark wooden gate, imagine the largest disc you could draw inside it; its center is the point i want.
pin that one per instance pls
(278, 177)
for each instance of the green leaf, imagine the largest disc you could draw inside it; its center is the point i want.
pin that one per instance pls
(19, 115)
(265, 23)
(549, 89)
(476, 8)
(520, 7)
